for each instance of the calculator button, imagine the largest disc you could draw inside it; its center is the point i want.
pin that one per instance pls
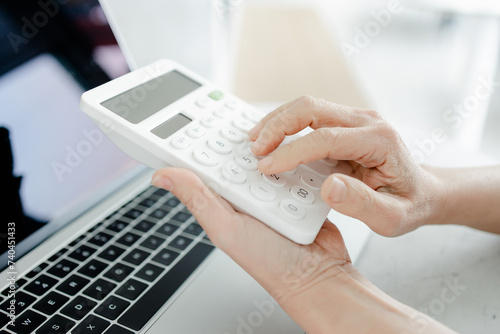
(253, 115)
(246, 161)
(244, 148)
(243, 124)
(292, 209)
(204, 102)
(222, 112)
(233, 173)
(330, 162)
(290, 172)
(319, 167)
(206, 157)
(231, 104)
(219, 145)
(180, 142)
(276, 180)
(263, 191)
(233, 135)
(302, 194)
(216, 95)
(209, 121)
(311, 180)
(196, 131)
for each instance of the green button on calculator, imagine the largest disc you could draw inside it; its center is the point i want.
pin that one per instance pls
(216, 95)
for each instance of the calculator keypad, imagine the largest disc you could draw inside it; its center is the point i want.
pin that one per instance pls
(219, 140)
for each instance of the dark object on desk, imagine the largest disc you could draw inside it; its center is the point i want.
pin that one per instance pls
(11, 207)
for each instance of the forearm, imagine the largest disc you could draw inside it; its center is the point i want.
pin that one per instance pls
(471, 197)
(348, 303)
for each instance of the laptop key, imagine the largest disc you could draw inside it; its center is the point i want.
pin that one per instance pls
(181, 216)
(136, 256)
(78, 307)
(111, 253)
(95, 227)
(149, 272)
(51, 303)
(152, 242)
(143, 226)
(194, 229)
(133, 213)
(82, 253)
(20, 301)
(19, 283)
(93, 268)
(41, 285)
(3, 321)
(180, 242)
(112, 307)
(77, 240)
(128, 239)
(37, 270)
(115, 329)
(100, 239)
(99, 289)
(166, 257)
(144, 308)
(56, 325)
(57, 255)
(131, 289)
(173, 202)
(91, 325)
(148, 202)
(167, 229)
(117, 226)
(158, 214)
(119, 272)
(27, 322)
(160, 192)
(62, 268)
(73, 285)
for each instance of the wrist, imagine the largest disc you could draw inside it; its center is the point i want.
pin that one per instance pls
(343, 302)
(349, 303)
(437, 197)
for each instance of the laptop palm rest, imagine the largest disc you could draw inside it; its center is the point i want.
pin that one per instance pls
(223, 299)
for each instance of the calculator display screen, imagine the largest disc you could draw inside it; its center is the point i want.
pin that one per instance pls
(171, 126)
(143, 101)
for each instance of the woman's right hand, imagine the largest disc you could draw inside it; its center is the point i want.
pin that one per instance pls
(375, 181)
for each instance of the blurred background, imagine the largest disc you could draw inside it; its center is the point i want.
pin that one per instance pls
(420, 63)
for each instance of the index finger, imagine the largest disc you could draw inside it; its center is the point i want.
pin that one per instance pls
(297, 115)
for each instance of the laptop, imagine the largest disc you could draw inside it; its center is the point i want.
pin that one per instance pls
(88, 245)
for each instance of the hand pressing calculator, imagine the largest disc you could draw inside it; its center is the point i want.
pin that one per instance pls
(165, 115)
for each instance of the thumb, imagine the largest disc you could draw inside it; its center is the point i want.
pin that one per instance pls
(353, 198)
(216, 216)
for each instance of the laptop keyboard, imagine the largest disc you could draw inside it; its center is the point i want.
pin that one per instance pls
(116, 276)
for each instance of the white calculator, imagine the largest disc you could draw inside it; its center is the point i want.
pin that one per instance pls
(165, 115)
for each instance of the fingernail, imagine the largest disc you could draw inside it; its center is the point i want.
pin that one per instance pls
(252, 131)
(161, 181)
(338, 190)
(256, 146)
(266, 162)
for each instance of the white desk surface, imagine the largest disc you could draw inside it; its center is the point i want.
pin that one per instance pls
(417, 268)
